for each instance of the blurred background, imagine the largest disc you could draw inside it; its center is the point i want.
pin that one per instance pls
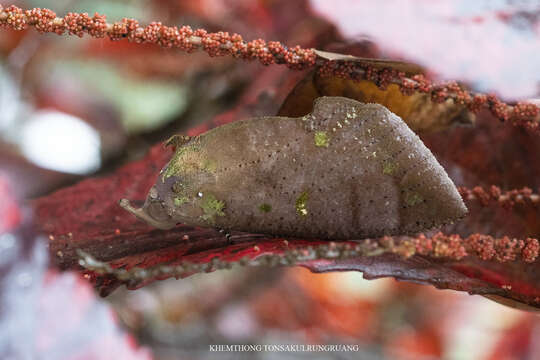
(71, 108)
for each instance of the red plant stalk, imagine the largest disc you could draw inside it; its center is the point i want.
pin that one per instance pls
(449, 247)
(271, 52)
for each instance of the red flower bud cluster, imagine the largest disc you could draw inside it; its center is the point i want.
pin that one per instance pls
(272, 52)
(483, 246)
(184, 38)
(521, 114)
(494, 195)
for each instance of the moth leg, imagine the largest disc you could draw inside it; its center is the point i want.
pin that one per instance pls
(177, 140)
(227, 236)
(140, 214)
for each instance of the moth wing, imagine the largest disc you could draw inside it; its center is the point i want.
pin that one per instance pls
(347, 170)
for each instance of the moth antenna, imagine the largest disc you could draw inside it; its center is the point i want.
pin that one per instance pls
(177, 140)
(140, 214)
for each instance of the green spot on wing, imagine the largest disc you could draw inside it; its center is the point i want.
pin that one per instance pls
(179, 200)
(189, 159)
(265, 208)
(412, 198)
(209, 165)
(174, 166)
(321, 139)
(388, 168)
(301, 204)
(212, 207)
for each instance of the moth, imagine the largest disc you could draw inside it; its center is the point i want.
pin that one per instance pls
(347, 170)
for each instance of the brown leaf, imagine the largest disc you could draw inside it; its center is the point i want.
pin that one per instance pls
(408, 68)
(417, 110)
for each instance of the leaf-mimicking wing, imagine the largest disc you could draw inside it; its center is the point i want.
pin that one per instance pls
(347, 170)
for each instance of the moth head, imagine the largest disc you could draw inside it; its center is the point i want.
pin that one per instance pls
(171, 200)
(155, 211)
